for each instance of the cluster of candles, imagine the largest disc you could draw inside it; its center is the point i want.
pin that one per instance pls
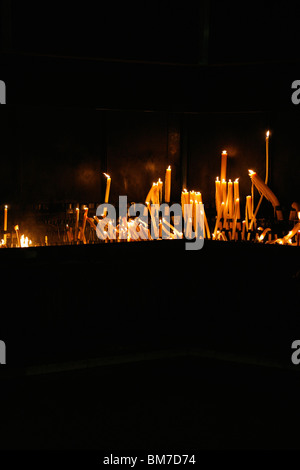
(22, 241)
(228, 225)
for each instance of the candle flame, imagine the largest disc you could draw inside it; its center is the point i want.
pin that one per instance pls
(169, 168)
(251, 173)
(267, 134)
(217, 179)
(236, 180)
(224, 152)
(5, 207)
(107, 176)
(24, 241)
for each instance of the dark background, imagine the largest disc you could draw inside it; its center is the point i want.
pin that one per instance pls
(130, 88)
(147, 345)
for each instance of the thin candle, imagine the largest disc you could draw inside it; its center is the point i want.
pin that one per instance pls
(76, 223)
(230, 199)
(223, 165)
(218, 195)
(168, 184)
(267, 156)
(16, 227)
(5, 223)
(107, 190)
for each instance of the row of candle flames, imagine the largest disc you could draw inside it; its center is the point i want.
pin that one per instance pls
(228, 225)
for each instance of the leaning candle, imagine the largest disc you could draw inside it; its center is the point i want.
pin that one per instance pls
(149, 195)
(108, 181)
(5, 223)
(236, 212)
(248, 212)
(223, 165)
(218, 221)
(168, 184)
(155, 193)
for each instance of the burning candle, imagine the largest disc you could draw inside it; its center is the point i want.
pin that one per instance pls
(218, 195)
(249, 207)
(160, 185)
(223, 165)
(236, 189)
(84, 224)
(230, 199)
(168, 184)
(198, 196)
(108, 181)
(192, 196)
(224, 191)
(5, 223)
(266, 191)
(184, 199)
(76, 223)
(149, 195)
(248, 213)
(267, 156)
(16, 227)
